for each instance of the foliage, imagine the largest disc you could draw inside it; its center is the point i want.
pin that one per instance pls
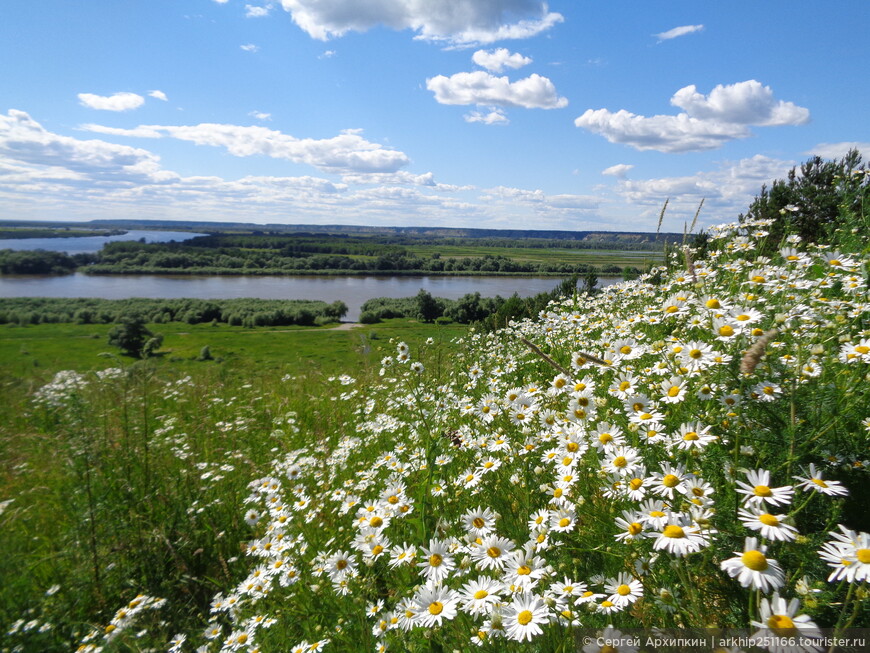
(823, 201)
(37, 261)
(237, 312)
(133, 338)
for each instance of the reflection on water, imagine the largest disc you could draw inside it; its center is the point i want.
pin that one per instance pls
(353, 291)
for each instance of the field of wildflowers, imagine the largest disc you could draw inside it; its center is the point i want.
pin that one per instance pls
(685, 450)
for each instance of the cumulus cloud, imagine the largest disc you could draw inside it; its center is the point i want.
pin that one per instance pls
(479, 87)
(619, 170)
(260, 115)
(839, 150)
(116, 102)
(25, 141)
(708, 121)
(542, 203)
(745, 103)
(347, 152)
(458, 22)
(727, 190)
(159, 95)
(497, 60)
(678, 31)
(250, 47)
(493, 117)
(254, 11)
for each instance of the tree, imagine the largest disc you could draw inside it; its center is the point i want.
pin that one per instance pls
(130, 336)
(427, 307)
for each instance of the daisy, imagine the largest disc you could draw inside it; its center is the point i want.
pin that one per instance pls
(630, 526)
(673, 390)
(434, 604)
(778, 620)
(524, 570)
(624, 590)
(493, 552)
(668, 480)
(437, 562)
(622, 460)
(522, 619)
(479, 596)
(758, 491)
(753, 568)
(563, 520)
(848, 554)
(771, 527)
(814, 482)
(694, 435)
(606, 436)
(681, 536)
(479, 521)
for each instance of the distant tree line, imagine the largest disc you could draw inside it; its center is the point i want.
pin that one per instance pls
(235, 312)
(40, 261)
(489, 312)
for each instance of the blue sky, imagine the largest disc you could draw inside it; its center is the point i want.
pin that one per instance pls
(461, 113)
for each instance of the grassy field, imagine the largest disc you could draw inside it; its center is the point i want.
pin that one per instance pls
(620, 258)
(41, 350)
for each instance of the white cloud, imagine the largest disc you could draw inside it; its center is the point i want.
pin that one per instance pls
(619, 170)
(254, 11)
(678, 31)
(497, 60)
(327, 54)
(260, 115)
(459, 22)
(479, 87)
(347, 152)
(493, 117)
(744, 103)
(250, 47)
(540, 201)
(25, 141)
(726, 190)
(708, 122)
(160, 95)
(839, 150)
(116, 102)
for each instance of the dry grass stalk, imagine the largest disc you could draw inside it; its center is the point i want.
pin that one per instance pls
(753, 355)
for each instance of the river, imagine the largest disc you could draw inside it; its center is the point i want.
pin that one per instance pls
(93, 244)
(353, 291)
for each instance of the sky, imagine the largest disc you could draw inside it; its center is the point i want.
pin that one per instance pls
(500, 114)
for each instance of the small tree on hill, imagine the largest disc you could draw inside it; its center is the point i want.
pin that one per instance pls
(130, 336)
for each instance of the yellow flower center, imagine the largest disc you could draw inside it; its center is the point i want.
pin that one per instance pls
(557, 493)
(758, 279)
(524, 571)
(635, 483)
(341, 564)
(768, 520)
(377, 550)
(478, 522)
(604, 438)
(781, 624)
(862, 349)
(625, 349)
(863, 556)
(690, 436)
(674, 531)
(634, 528)
(657, 514)
(820, 482)
(623, 590)
(754, 560)
(671, 309)
(645, 416)
(625, 385)
(493, 552)
(375, 522)
(713, 303)
(673, 391)
(763, 491)
(572, 447)
(564, 522)
(481, 594)
(436, 607)
(435, 560)
(606, 604)
(524, 617)
(620, 461)
(726, 331)
(670, 480)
